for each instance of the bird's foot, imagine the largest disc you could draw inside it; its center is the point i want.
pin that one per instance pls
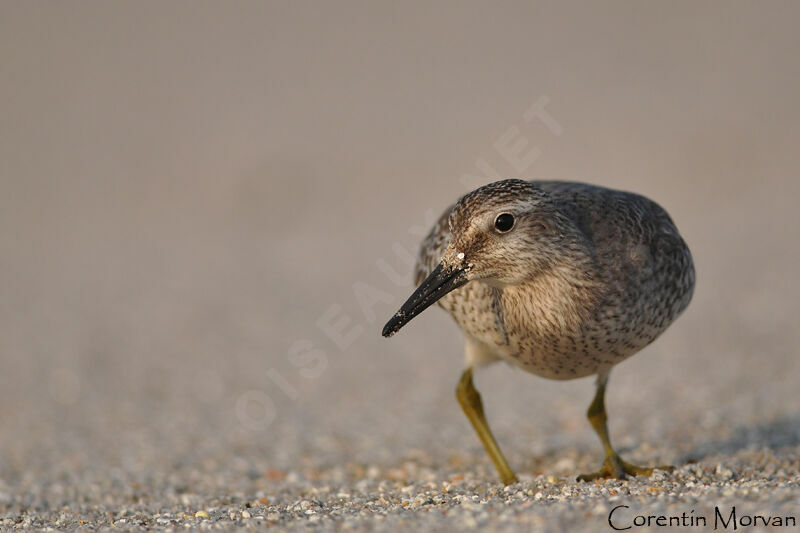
(508, 479)
(615, 467)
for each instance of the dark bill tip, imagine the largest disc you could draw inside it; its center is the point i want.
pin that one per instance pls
(439, 282)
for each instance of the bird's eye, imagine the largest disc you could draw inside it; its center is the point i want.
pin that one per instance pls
(504, 222)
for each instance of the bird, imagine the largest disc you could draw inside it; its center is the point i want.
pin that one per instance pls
(561, 279)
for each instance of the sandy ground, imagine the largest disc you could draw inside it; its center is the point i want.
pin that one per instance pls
(206, 221)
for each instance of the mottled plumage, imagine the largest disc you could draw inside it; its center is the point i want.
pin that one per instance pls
(612, 280)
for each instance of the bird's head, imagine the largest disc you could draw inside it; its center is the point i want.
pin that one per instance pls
(504, 233)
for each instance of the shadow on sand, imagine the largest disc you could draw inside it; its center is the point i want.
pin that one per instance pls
(773, 435)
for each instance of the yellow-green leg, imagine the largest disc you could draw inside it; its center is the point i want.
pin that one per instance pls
(470, 401)
(613, 465)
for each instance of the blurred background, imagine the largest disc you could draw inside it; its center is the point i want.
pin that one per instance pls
(206, 211)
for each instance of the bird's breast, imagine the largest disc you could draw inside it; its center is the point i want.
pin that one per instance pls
(538, 327)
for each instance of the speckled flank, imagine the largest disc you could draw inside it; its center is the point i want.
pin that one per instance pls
(587, 277)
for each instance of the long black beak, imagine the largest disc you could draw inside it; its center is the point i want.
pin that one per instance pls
(438, 283)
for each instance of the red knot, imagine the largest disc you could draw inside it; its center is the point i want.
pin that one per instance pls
(561, 279)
